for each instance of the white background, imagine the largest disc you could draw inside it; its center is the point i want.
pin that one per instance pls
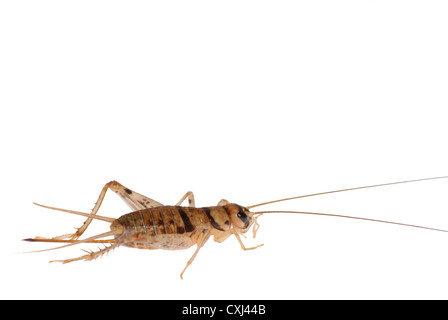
(244, 100)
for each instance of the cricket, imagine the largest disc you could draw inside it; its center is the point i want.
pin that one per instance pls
(152, 225)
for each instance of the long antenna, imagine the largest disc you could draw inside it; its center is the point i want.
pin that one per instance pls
(351, 217)
(342, 190)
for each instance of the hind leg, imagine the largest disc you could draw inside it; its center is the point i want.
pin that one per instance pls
(85, 225)
(133, 199)
(82, 229)
(91, 255)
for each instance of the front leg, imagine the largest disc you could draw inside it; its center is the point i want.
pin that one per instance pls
(241, 242)
(221, 236)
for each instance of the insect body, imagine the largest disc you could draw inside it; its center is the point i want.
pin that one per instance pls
(174, 227)
(152, 225)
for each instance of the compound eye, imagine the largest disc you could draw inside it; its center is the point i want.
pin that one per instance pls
(242, 216)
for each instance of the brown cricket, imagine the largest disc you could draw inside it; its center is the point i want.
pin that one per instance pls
(152, 225)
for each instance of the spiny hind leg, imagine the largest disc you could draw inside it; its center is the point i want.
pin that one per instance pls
(204, 237)
(190, 197)
(91, 255)
(133, 199)
(82, 229)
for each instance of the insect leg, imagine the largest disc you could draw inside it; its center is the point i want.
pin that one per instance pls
(241, 242)
(82, 229)
(91, 255)
(222, 236)
(223, 202)
(201, 243)
(134, 200)
(190, 197)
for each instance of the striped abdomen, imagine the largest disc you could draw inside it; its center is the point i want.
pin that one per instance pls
(169, 227)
